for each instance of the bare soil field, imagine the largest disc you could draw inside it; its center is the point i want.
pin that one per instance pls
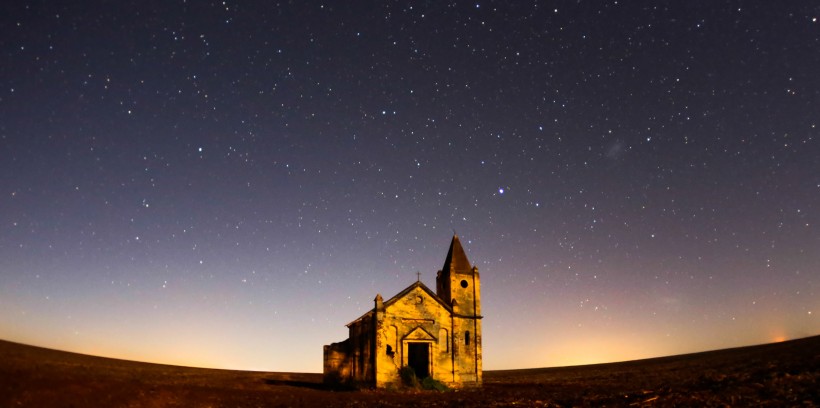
(775, 375)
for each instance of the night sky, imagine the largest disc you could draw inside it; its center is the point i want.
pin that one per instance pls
(228, 184)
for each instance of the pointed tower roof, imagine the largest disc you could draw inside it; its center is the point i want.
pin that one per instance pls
(456, 258)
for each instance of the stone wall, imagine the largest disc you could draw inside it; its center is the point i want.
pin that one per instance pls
(337, 363)
(418, 318)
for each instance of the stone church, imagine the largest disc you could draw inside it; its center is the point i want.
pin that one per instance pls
(438, 333)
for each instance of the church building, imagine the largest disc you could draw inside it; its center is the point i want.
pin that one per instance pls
(438, 333)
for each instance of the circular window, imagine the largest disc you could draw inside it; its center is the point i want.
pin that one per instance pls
(464, 284)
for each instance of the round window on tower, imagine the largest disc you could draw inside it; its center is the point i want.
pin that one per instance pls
(464, 284)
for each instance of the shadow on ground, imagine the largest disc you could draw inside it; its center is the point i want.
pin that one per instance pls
(310, 385)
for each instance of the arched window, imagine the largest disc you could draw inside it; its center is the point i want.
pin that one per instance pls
(390, 351)
(467, 338)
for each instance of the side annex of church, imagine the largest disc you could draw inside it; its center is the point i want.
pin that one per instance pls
(438, 333)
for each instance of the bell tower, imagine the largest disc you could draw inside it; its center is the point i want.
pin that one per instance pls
(458, 284)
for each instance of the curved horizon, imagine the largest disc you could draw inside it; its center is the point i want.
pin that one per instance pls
(228, 184)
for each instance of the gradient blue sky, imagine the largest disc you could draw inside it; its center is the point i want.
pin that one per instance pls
(227, 184)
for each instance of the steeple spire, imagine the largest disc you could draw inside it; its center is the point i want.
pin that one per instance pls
(456, 260)
(456, 276)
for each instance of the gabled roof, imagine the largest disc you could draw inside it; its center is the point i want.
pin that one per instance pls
(403, 293)
(410, 288)
(456, 258)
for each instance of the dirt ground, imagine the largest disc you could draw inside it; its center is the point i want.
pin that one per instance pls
(775, 375)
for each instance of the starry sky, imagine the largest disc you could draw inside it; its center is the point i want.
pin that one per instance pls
(227, 184)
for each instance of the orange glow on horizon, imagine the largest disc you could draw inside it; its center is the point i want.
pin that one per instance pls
(596, 350)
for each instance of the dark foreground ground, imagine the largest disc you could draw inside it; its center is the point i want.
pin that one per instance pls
(776, 375)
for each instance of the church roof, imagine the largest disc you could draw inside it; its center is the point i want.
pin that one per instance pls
(402, 294)
(456, 258)
(410, 288)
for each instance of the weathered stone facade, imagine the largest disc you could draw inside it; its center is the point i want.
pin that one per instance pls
(437, 334)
